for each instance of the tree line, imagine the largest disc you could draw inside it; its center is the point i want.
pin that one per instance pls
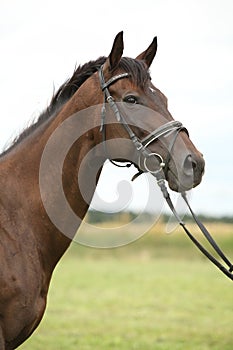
(94, 216)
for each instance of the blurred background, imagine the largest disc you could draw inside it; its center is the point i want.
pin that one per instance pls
(42, 42)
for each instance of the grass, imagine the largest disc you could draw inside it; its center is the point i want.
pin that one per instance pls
(157, 293)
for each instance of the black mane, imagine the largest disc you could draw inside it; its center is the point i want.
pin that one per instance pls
(63, 94)
(136, 69)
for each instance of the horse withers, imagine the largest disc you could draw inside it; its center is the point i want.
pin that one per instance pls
(36, 227)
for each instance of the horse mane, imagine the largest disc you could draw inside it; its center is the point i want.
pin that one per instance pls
(137, 71)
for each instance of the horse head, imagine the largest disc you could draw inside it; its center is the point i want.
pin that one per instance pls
(135, 110)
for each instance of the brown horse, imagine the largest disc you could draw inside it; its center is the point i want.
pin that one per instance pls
(31, 241)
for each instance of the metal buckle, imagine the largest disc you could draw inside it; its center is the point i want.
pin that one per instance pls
(162, 164)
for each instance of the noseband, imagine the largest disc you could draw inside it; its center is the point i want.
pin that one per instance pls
(144, 154)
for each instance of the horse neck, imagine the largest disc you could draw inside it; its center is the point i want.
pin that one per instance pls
(37, 180)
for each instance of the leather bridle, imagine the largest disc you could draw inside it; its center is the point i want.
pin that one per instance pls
(162, 166)
(141, 145)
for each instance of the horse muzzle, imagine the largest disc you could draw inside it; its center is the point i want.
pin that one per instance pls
(187, 175)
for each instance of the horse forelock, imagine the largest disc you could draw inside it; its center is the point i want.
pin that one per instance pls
(138, 71)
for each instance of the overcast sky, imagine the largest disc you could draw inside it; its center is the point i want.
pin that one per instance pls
(42, 41)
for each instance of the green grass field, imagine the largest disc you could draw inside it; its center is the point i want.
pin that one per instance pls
(157, 293)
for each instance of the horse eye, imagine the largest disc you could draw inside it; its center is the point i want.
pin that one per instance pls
(131, 99)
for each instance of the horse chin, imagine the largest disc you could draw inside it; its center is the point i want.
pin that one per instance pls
(179, 185)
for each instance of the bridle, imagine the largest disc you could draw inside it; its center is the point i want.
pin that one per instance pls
(141, 145)
(171, 127)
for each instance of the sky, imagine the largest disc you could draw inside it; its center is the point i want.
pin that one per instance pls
(41, 42)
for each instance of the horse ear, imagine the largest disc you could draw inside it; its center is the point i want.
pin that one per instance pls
(149, 54)
(116, 53)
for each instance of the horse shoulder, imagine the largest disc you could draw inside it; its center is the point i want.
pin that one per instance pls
(23, 284)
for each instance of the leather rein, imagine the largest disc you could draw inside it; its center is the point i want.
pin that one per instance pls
(162, 165)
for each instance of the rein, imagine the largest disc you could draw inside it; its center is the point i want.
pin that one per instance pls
(143, 153)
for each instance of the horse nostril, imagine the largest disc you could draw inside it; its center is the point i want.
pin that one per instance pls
(189, 165)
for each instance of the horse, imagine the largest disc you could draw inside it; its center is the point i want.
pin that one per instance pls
(36, 227)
